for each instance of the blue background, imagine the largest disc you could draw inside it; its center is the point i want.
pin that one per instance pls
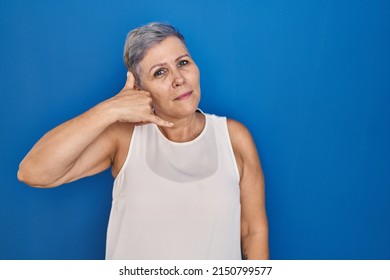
(310, 79)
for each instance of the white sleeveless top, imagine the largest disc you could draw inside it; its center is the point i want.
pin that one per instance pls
(177, 200)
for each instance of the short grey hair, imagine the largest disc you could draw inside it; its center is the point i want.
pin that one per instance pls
(140, 40)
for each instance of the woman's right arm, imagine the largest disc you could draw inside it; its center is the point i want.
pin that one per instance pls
(85, 145)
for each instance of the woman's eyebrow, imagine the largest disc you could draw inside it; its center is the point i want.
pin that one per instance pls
(180, 57)
(164, 63)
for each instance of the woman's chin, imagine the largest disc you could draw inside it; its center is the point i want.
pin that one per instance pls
(178, 112)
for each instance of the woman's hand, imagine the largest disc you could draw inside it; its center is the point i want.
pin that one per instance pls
(134, 106)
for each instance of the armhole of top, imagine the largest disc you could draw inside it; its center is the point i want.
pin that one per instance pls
(131, 144)
(231, 149)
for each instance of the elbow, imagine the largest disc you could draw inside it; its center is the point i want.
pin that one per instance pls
(31, 178)
(23, 175)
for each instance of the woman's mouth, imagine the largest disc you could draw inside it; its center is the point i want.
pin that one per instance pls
(184, 95)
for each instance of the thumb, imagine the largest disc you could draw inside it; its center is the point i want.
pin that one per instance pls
(130, 81)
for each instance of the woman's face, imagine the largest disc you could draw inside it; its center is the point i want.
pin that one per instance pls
(172, 78)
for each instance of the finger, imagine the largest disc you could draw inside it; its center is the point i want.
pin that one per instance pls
(159, 121)
(141, 123)
(130, 81)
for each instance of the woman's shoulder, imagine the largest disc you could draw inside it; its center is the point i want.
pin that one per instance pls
(122, 127)
(121, 134)
(242, 142)
(238, 131)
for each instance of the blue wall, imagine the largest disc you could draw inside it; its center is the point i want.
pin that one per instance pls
(311, 80)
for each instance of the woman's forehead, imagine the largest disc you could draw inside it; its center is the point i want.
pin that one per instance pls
(164, 52)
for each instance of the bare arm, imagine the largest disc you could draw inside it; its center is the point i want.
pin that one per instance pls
(58, 156)
(85, 145)
(254, 223)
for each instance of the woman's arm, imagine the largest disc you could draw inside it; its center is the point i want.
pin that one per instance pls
(86, 144)
(254, 223)
(70, 151)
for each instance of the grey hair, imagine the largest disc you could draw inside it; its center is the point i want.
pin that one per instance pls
(140, 40)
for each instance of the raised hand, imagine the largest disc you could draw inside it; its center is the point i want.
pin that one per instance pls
(135, 106)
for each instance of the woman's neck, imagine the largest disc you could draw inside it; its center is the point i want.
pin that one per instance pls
(185, 129)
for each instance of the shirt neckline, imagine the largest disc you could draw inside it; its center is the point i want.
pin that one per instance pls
(187, 142)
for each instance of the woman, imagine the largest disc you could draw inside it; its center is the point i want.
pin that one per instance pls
(188, 185)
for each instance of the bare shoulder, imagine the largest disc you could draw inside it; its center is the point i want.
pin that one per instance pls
(239, 135)
(243, 145)
(119, 129)
(121, 134)
(237, 130)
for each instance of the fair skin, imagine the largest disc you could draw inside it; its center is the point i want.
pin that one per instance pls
(170, 94)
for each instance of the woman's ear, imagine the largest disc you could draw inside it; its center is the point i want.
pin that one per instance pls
(136, 82)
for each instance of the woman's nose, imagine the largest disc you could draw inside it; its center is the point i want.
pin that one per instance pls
(178, 79)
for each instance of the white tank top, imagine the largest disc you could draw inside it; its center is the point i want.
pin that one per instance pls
(177, 200)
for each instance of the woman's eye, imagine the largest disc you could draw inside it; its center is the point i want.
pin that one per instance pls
(159, 72)
(183, 62)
